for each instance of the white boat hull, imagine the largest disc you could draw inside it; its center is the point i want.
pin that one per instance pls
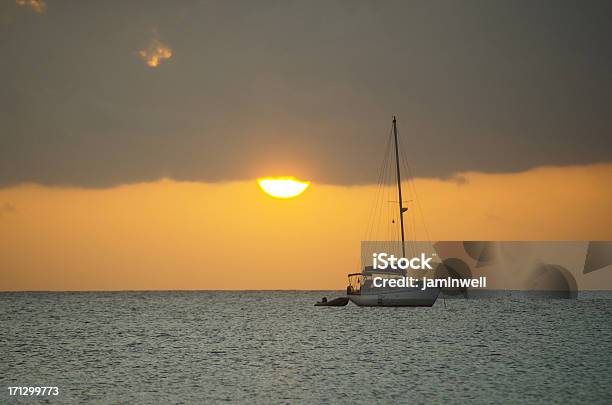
(400, 297)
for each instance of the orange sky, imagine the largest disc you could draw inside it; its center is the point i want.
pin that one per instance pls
(179, 235)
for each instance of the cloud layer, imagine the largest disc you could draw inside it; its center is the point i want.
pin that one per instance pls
(301, 89)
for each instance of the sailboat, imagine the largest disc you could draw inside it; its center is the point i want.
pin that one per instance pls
(363, 291)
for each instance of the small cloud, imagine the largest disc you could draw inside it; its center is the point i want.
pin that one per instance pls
(155, 53)
(38, 6)
(459, 179)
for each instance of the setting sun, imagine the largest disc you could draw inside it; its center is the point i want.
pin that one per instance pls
(282, 187)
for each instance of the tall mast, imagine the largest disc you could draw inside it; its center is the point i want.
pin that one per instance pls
(399, 186)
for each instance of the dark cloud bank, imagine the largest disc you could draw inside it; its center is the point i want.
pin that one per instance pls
(305, 87)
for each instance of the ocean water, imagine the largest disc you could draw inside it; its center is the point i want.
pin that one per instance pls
(276, 347)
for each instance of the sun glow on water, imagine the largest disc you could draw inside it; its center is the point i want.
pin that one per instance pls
(282, 187)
